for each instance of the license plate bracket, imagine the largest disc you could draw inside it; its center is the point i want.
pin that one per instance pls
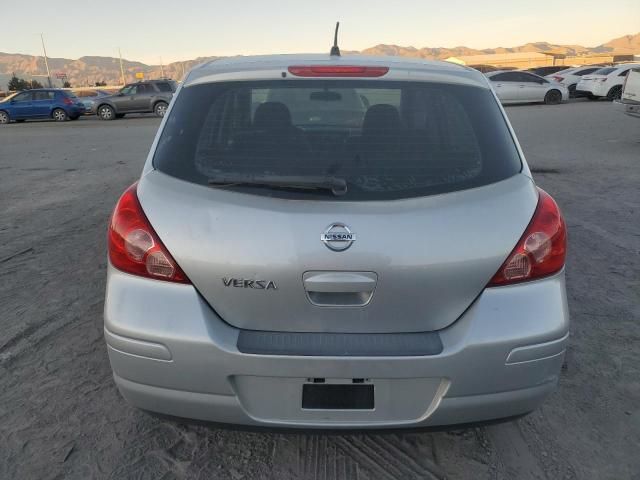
(338, 396)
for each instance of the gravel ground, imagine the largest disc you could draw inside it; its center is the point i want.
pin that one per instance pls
(62, 417)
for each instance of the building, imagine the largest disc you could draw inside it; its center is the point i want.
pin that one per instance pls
(509, 60)
(523, 60)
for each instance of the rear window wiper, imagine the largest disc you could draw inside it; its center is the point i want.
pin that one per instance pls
(337, 186)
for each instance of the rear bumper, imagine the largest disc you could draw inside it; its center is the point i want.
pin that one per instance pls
(76, 111)
(598, 89)
(171, 354)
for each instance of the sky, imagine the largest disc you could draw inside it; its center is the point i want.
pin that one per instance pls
(171, 30)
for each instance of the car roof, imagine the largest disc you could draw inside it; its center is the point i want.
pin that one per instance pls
(620, 66)
(272, 66)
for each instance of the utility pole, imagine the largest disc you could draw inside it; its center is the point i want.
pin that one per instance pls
(121, 67)
(161, 69)
(46, 61)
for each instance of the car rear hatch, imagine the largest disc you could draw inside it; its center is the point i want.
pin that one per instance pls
(434, 201)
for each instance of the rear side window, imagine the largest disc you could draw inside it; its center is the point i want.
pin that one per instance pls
(586, 71)
(164, 87)
(46, 95)
(144, 89)
(527, 77)
(386, 140)
(604, 71)
(505, 77)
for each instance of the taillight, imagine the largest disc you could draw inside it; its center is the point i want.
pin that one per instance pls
(67, 101)
(337, 71)
(558, 79)
(134, 247)
(541, 251)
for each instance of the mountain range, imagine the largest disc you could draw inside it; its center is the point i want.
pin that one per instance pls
(91, 69)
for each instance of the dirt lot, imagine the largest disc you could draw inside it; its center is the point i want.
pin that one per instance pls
(62, 417)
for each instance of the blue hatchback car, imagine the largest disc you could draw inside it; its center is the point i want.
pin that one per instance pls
(59, 105)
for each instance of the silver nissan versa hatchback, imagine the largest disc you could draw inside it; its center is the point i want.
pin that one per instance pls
(336, 242)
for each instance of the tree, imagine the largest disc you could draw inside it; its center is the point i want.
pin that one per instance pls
(66, 84)
(101, 84)
(35, 84)
(17, 84)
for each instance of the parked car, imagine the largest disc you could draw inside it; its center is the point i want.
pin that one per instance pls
(88, 97)
(605, 82)
(543, 71)
(571, 76)
(382, 260)
(630, 101)
(152, 96)
(59, 105)
(526, 87)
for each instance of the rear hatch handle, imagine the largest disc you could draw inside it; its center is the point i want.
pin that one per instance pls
(340, 289)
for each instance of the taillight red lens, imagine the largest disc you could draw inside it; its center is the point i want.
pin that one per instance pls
(541, 251)
(558, 79)
(67, 101)
(337, 71)
(134, 247)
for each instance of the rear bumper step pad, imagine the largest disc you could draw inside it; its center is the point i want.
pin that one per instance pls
(339, 344)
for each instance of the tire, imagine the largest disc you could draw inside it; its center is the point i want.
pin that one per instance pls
(106, 112)
(572, 91)
(553, 97)
(59, 115)
(615, 93)
(4, 118)
(160, 109)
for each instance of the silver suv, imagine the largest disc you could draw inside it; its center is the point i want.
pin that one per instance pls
(328, 242)
(152, 96)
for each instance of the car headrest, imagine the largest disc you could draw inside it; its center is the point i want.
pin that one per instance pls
(381, 119)
(272, 115)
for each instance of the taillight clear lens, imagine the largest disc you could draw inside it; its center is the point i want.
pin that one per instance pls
(133, 245)
(541, 251)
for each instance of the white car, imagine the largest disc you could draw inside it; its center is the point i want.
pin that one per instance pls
(606, 82)
(238, 292)
(630, 102)
(524, 87)
(571, 76)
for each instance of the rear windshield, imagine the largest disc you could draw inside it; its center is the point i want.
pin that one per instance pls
(604, 71)
(385, 140)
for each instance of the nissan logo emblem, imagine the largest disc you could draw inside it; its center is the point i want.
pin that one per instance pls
(338, 237)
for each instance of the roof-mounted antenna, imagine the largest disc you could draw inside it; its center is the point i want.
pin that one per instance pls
(335, 50)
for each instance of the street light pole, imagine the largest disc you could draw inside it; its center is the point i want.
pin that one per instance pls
(46, 61)
(121, 67)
